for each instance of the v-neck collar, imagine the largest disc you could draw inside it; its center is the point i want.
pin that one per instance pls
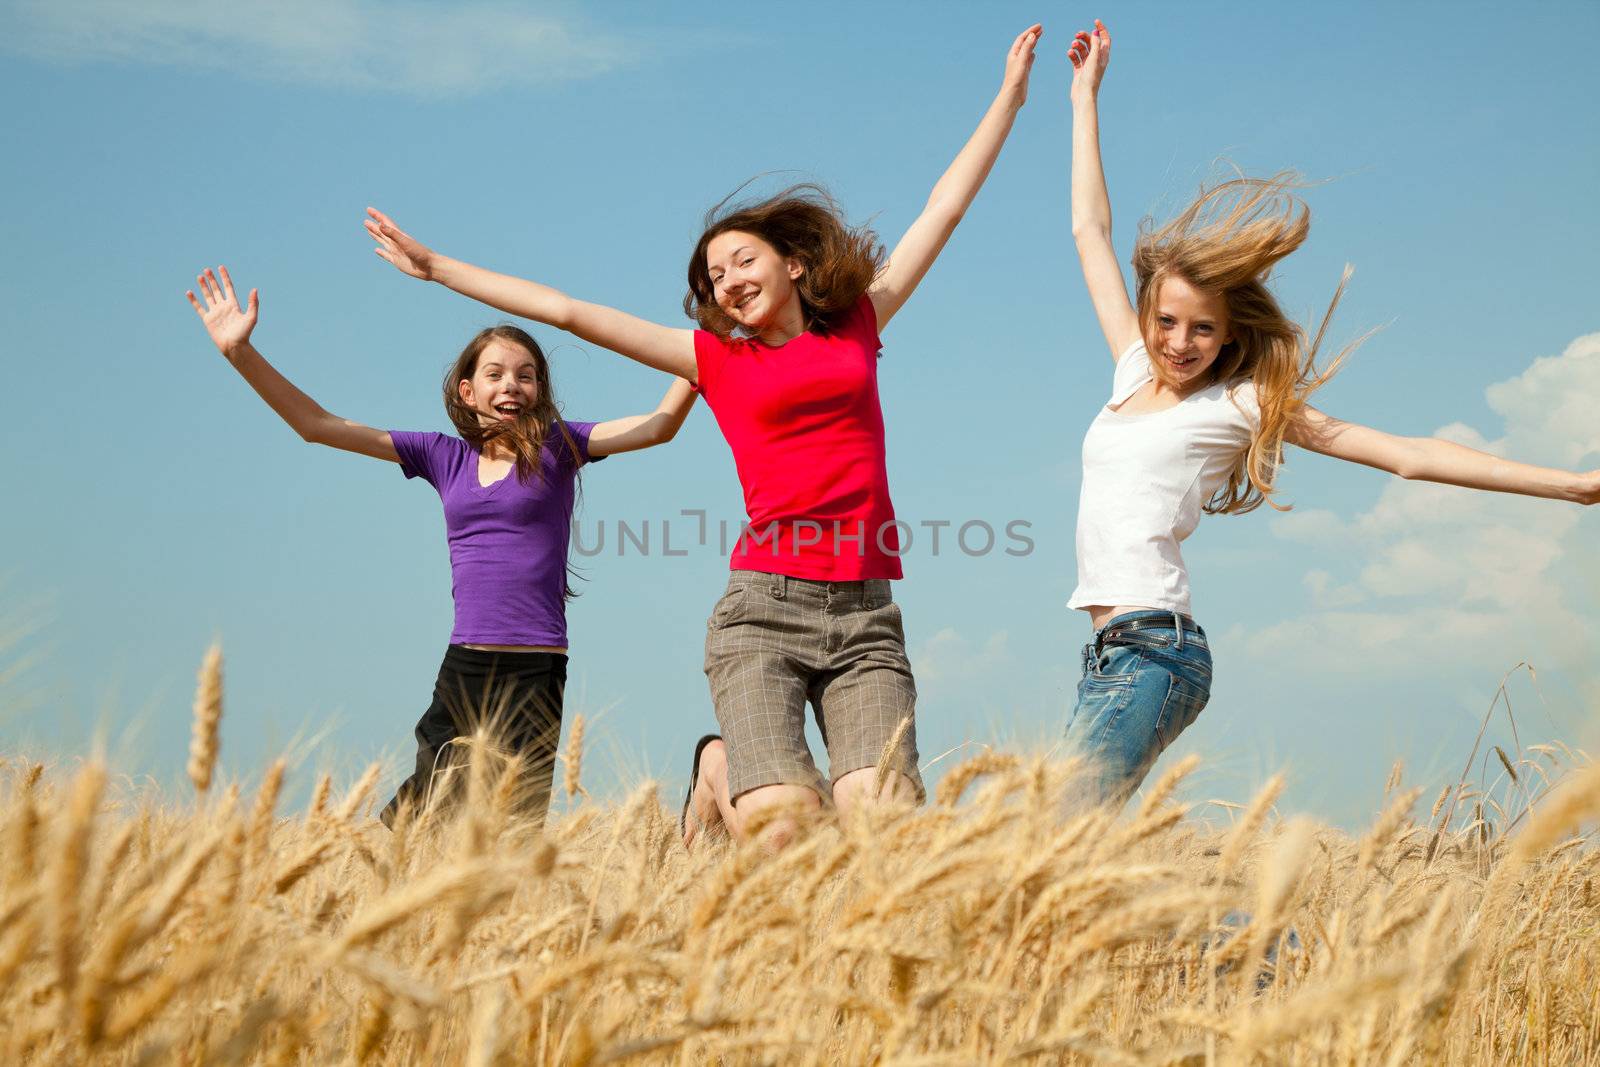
(477, 478)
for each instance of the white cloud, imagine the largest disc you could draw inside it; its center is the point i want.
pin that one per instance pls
(949, 658)
(1474, 577)
(426, 50)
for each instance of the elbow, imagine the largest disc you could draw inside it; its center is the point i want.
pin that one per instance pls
(946, 210)
(313, 431)
(563, 313)
(1411, 464)
(1085, 231)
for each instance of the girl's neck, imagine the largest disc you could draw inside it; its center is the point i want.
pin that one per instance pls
(789, 323)
(1163, 391)
(494, 450)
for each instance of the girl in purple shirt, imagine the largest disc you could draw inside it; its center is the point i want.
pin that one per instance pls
(507, 484)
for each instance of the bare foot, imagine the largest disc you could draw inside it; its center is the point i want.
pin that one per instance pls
(704, 814)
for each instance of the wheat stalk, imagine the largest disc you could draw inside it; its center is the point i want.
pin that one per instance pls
(203, 743)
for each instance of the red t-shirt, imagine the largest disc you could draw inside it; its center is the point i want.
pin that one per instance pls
(806, 430)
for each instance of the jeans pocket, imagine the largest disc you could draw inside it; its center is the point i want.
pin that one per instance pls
(1185, 700)
(1117, 665)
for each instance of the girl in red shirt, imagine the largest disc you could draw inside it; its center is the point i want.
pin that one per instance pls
(790, 301)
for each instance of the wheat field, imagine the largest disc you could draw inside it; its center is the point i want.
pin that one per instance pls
(983, 928)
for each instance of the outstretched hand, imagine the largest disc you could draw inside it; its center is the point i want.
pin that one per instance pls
(1090, 54)
(1019, 62)
(398, 247)
(228, 324)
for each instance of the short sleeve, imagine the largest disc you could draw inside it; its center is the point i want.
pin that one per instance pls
(1248, 403)
(864, 323)
(423, 455)
(710, 353)
(580, 432)
(1133, 370)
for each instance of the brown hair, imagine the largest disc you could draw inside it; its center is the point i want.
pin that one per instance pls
(525, 436)
(1227, 242)
(838, 261)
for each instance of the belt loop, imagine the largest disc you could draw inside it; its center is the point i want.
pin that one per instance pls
(779, 586)
(1177, 622)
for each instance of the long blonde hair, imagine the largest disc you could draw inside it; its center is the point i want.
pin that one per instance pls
(1227, 242)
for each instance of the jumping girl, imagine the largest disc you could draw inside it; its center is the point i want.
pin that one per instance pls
(1211, 380)
(507, 484)
(790, 302)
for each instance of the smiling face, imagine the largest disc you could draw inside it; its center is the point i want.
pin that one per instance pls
(504, 385)
(751, 282)
(1191, 328)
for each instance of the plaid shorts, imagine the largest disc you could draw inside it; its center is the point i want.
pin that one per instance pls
(773, 643)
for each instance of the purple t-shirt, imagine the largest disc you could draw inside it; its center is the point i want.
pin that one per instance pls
(508, 541)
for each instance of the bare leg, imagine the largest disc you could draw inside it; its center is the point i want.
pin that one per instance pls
(711, 805)
(777, 810)
(854, 791)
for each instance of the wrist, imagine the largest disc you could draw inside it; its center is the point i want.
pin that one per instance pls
(233, 351)
(441, 268)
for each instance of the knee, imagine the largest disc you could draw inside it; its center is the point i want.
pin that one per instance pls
(856, 790)
(775, 815)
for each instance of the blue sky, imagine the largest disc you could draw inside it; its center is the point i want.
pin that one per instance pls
(154, 503)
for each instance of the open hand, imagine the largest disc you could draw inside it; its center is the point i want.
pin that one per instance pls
(227, 323)
(1019, 62)
(1090, 54)
(399, 247)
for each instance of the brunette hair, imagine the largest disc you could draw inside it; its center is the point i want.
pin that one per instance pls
(1227, 242)
(803, 222)
(526, 434)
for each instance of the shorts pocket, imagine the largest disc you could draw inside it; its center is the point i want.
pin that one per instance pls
(729, 609)
(876, 594)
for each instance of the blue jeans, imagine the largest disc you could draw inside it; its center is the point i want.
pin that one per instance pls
(1140, 690)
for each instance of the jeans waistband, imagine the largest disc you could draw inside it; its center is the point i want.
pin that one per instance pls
(1134, 621)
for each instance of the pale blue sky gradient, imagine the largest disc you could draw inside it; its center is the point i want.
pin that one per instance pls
(154, 503)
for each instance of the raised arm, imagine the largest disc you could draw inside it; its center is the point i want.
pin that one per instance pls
(634, 432)
(662, 347)
(1091, 205)
(955, 191)
(1430, 459)
(230, 326)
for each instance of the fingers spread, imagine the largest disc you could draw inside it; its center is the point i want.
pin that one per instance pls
(198, 310)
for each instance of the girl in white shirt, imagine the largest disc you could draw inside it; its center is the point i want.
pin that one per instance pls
(1211, 380)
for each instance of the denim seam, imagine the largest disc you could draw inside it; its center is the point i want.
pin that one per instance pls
(1123, 688)
(1165, 715)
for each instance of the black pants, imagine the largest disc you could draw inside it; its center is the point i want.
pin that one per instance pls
(515, 697)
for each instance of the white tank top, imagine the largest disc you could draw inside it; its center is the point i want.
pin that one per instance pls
(1145, 480)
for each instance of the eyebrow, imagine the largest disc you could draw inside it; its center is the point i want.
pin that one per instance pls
(736, 251)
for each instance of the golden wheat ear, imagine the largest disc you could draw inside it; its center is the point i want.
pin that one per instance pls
(204, 740)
